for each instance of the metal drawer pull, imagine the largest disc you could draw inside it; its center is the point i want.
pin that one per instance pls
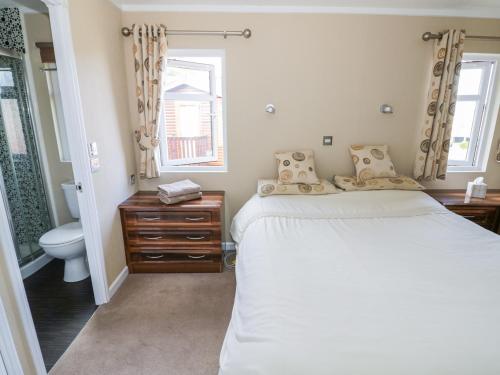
(473, 217)
(154, 256)
(195, 218)
(151, 218)
(195, 238)
(196, 256)
(153, 238)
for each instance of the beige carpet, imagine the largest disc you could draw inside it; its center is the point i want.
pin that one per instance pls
(155, 324)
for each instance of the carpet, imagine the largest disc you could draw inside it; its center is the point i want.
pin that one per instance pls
(155, 324)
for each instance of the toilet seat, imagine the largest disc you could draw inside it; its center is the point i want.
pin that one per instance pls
(62, 235)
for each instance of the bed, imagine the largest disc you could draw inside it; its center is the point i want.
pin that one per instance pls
(371, 282)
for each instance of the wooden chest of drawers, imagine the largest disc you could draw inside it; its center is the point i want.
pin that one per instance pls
(183, 237)
(484, 212)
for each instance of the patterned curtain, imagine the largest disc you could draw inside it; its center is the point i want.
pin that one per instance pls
(150, 49)
(434, 142)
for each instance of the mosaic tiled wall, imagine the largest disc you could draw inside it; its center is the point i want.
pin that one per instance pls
(11, 32)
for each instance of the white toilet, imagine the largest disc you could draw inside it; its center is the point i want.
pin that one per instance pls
(67, 242)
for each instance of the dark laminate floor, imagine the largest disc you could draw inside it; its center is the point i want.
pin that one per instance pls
(59, 309)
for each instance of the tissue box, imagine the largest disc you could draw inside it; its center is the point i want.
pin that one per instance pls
(477, 190)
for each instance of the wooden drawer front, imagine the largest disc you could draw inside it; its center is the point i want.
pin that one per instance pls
(173, 238)
(484, 216)
(171, 261)
(166, 218)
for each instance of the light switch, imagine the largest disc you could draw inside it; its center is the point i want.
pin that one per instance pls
(327, 140)
(93, 152)
(94, 157)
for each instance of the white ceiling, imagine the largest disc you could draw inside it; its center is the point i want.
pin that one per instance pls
(25, 5)
(466, 8)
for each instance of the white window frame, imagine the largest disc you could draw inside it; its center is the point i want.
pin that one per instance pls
(182, 166)
(485, 119)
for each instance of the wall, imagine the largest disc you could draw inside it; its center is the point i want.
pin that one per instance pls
(37, 29)
(327, 74)
(95, 27)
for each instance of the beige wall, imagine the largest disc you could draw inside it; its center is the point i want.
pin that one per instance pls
(327, 75)
(37, 28)
(95, 26)
(15, 323)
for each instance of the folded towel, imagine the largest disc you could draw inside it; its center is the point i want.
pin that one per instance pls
(178, 188)
(180, 198)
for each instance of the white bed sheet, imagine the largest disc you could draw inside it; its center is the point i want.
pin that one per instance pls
(375, 282)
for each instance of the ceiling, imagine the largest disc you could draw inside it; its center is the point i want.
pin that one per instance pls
(467, 8)
(25, 5)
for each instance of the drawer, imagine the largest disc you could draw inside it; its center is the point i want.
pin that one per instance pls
(484, 216)
(174, 238)
(157, 261)
(148, 219)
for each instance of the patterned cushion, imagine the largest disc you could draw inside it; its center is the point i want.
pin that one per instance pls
(386, 183)
(273, 187)
(372, 162)
(296, 167)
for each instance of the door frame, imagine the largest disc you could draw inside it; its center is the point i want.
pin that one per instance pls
(8, 353)
(74, 118)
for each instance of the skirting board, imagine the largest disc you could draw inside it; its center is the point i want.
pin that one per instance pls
(229, 246)
(29, 269)
(117, 283)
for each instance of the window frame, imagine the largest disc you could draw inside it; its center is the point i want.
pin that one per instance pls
(182, 166)
(484, 121)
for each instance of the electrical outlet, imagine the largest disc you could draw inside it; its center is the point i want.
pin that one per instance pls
(327, 140)
(132, 179)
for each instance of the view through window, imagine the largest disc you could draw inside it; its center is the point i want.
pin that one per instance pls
(193, 128)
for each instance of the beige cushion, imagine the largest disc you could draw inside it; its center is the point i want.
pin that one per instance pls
(296, 167)
(372, 162)
(385, 183)
(273, 187)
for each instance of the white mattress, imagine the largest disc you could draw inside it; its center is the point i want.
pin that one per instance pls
(375, 282)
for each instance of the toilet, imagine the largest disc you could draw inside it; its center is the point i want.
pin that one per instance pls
(67, 242)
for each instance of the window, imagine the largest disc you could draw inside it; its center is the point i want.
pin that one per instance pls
(192, 128)
(57, 111)
(472, 123)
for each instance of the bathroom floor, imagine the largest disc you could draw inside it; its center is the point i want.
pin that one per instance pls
(59, 309)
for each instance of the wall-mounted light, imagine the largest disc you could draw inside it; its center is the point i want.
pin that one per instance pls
(270, 108)
(386, 109)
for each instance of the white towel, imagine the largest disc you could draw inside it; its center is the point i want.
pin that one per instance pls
(180, 198)
(178, 188)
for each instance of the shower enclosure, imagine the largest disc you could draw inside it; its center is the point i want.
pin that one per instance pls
(21, 181)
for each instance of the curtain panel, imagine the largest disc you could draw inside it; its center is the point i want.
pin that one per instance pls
(150, 50)
(434, 142)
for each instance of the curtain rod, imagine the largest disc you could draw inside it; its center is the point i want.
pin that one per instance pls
(246, 33)
(428, 36)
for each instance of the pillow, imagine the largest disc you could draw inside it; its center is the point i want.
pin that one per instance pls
(273, 187)
(372, 162)
(296, 167)
(386, 183)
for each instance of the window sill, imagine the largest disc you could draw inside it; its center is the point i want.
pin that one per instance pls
(186, 169)
(465, 169)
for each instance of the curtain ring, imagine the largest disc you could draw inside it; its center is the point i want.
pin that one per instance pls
(225, 34)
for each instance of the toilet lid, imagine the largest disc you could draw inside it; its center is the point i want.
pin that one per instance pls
(64, 234)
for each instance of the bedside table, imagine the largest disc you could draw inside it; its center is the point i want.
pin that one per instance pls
(182, 237)
(484, 212)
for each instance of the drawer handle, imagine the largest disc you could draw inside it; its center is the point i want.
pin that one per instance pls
(196, 256)
(195, 218)
(153, 238)
(195, 238)
(471, 217)
(154, 256)
(156, 218)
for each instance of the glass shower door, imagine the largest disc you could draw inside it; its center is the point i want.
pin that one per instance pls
(20, 174)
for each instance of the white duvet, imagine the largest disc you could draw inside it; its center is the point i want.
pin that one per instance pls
(379, 283)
